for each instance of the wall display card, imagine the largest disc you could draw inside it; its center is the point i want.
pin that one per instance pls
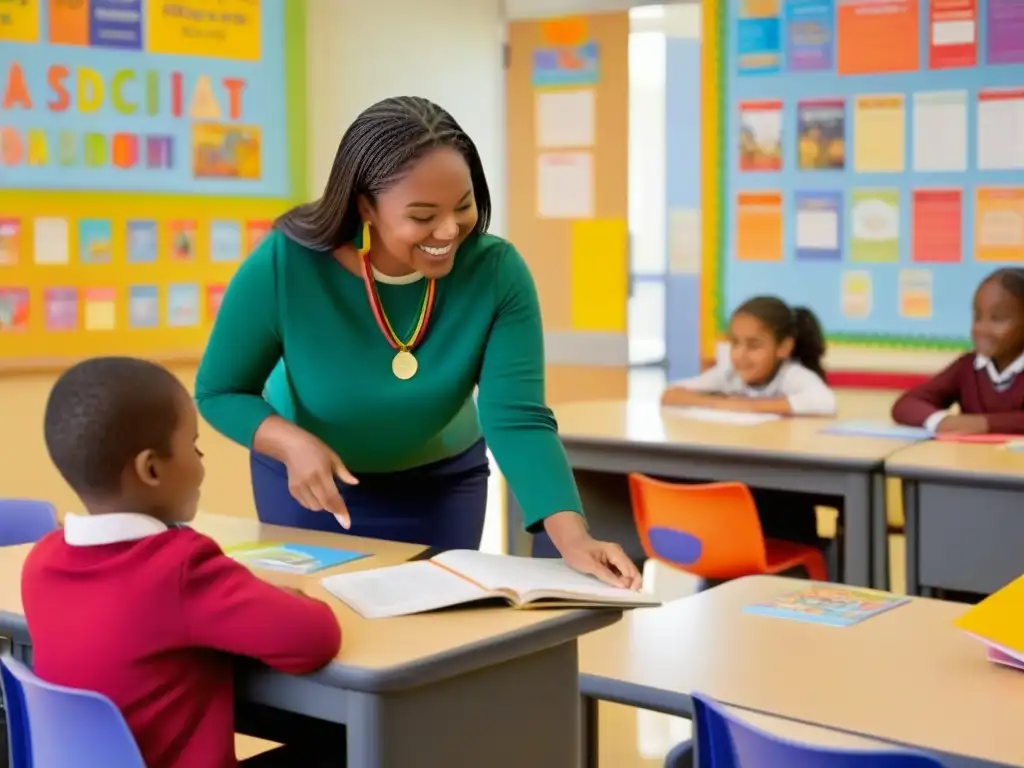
(810, 35)
(879, 134)
(1005, 28)
(565, 119)
(61, 309)
(100, 309)
(875, 225)
(95, 241)
(758, 37)
(999, 224)
(142, 242)
(566, 30)
(856, 299)
(819, 226)
(225, 241)
(1001, 129)
(10, 241)
(14, 309)
(565, 65)
(183, 305)
(255, 231)
(760, 135)
(915, 291)
(214, 297)
(181, 240)
(938, 226)
(565, 185)
(759, 227)
(953, 34)
(50, 240)
(821, 135)
(940, 131)
(143, 306)
(878, 36)
(684, 241)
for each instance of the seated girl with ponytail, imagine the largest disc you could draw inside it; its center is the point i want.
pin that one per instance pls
(774, 365)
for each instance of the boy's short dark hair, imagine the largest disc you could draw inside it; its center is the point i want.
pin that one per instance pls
(105, 411)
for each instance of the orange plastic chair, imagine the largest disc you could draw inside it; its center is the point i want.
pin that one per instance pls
(712, 531)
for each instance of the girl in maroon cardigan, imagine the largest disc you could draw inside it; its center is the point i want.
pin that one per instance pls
(987, 383)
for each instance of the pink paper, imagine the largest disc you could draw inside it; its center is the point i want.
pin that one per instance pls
(990, 439)
(997, 656)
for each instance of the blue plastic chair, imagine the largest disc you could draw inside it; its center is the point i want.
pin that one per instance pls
(24, 521)
(723, 741)
(50, 726)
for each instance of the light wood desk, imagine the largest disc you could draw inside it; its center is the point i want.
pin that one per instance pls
(964, 512)
(606, 440)
(484, 686)
(905, 677)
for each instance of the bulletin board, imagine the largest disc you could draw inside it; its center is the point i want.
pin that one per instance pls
(870, 160)
(145, 148)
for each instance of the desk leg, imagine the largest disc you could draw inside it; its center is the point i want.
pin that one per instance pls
(590, 735)
(524, 712)
(879, 533)
(858, 511)
(912, 519)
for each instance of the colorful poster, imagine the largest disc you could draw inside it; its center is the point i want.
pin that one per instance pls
(14, 309)
(1005, 30)
(915, 293)
(225, 241)
(937, 226)
(999, 224)
(759, 226)
(877, 37)
(50, 240)
(857, 295)
(182, 305)
(940, 131)
(89, 106)
(566, 65)
(95, 241)
(61, 309)
(181, 240)
(255, 231)
(819, 226)
(143, 306)
(758, 37)
(100, 309)
(879, 134)
(10, 241)
(810, 35)
(875, 225)
(821, 135)
(760, 136)
(1001, 129)
(954, 34)
(142, 242)
(227, 29)
(214, 297)
(19, 21)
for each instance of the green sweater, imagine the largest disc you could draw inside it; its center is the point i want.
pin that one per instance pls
(295, 336)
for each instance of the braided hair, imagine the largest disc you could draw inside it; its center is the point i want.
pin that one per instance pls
(798, 323)
(376, 150)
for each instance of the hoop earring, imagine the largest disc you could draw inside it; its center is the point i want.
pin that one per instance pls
(364, 239)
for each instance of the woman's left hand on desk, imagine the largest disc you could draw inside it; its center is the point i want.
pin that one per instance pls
(603, 559)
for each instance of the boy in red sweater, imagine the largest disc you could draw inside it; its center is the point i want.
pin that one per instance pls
(128, 602)
(987, 383)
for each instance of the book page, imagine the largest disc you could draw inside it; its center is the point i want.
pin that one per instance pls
(401, 590)
(526, 575)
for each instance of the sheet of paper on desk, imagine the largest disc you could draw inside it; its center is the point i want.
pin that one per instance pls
(738, 418)
(1002, 656)
(877, 429)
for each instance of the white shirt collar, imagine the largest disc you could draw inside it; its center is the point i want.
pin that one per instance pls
(982, 363)
(96, 530)
(380, 277)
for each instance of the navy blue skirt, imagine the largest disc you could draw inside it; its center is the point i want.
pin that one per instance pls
(440, 505)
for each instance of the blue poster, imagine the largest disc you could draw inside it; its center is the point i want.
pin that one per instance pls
(143, 306)
(225, 241)
(819, 226)
(116, 24)
(182, 305)
(142, 242)
(810, 35)
(95, 238)
(758, 45)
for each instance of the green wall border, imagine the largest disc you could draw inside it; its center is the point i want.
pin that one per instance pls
(877, 340)
(296, 100)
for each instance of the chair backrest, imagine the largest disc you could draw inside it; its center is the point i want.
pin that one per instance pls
(23, 521)
(723, 741)
(710, 530)
(58, 727)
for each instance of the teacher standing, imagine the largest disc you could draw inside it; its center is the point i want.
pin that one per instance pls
(348, 346)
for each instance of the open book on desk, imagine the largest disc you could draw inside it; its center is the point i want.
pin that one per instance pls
(464, 576)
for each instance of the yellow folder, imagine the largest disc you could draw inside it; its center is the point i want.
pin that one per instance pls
(999, 618)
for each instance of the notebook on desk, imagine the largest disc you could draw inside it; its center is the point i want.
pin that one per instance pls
(832, 605)
(461, 577)
(882, 429)
(290, 558)
(998, 623)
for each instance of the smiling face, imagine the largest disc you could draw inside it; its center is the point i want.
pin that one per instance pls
(998, 326)
(418, 223)
(754, 352)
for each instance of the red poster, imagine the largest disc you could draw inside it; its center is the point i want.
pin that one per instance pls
(953, 41)
(938, 226)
